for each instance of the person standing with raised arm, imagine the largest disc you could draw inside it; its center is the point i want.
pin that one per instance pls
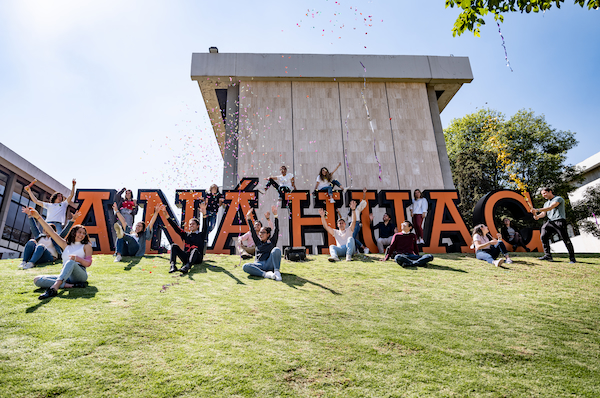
(193, 250)
(133, 244)
(345, 244)
(554, 208)
(268, 256)
(57, 208)
(76, 256)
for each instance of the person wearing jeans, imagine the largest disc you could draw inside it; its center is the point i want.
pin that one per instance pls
(57, 208)
(404, 248)
(345, 244)
(487, 248)
(554, 208)
(325, 182)
(386, 230)
(133, 243)
(267, 263)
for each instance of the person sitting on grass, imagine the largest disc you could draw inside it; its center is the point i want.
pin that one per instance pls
(42, 249)
(133, 244)
(76, 256)
(245, 244)
(193, 250)
(404, 248)
(358, 225)
(268, 256)
(345, 244)
(511, 236)
(487, 248)
(57, 208)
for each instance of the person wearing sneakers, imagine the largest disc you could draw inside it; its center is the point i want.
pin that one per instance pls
(76, 256)
(418, 211)
(193, 250)
(358, 225)
(283, 183)
(345, 244)
(554, 208)
(245, 244)
(133, 244)
(42, 249)
(325, 182)
(487, 248)
(268, 256)
(404, 249)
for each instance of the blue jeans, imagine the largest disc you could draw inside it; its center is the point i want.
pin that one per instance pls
(413, 260)
(260, 267)
(329, 188)
(71, 272)
(35, 253)
(357, 227)
(127, 246)
(345, 250)
(491, 253)
(212, 220)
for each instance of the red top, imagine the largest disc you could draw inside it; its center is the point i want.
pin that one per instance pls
(128, 204)
(402, 244)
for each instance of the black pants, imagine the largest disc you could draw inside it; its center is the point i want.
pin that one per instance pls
(494, 251)
(559, 227)
(282, 190)
(194, 256)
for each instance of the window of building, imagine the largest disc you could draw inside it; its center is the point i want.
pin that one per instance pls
(16, 230)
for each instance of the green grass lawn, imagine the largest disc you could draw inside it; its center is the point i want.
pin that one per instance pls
(459, 327)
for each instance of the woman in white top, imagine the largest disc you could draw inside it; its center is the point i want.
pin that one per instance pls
(76, 256)
(57, 208)
(487, 248)
(418, 211)
(325, 182)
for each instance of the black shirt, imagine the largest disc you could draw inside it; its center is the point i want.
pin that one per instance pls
(263, 249)
(192, 240)
(385, 231)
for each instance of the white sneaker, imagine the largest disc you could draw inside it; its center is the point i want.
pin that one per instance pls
(28, 265)
(22, 264)
(277, 276)
(421, 241)
(333, 259)
(499, 262)
(269, 275)
(367, 250)
(119, 230)
(344, 190)
(348, 258)
(117, 258)
(331, 200)
(509, 261)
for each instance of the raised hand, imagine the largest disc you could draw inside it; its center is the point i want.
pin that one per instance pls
(115, 208)
(249, 214)
(267, 215)
(353, 205)
(74, 182)
(274, 210)
(371, 216)
(203, 208)
(76, 215)
(31, 184)
(322, 212)
(27, 210)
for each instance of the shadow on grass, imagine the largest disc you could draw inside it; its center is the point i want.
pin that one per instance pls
(71, 293)
(209, 265)
(444, 268)
(294, 281)
(133, 261)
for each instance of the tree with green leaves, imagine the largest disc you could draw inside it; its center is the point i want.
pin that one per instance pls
(587, 211)
(473, 11)
(488, 152)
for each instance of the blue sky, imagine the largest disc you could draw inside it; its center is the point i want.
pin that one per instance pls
(101, 90)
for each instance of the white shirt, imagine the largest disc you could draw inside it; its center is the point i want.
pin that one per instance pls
(74, 249)
(361, 206)
(47, 243)
(56, 211)
(419, 206)
(322, 183)
(285, 180)
(481, 240)
(341, 238)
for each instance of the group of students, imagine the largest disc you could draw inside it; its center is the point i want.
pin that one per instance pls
(71, 242)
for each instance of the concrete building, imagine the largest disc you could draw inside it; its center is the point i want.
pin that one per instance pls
(584, 243)
(377, 115)
(15, 174)
(308, 111)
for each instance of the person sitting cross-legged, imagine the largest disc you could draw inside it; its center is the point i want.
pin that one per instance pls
(404, 248)
(193, 250)
(345, 244)
(132, 243)
(268, 256)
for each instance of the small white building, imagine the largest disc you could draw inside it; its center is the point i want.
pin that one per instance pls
(584, 243)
